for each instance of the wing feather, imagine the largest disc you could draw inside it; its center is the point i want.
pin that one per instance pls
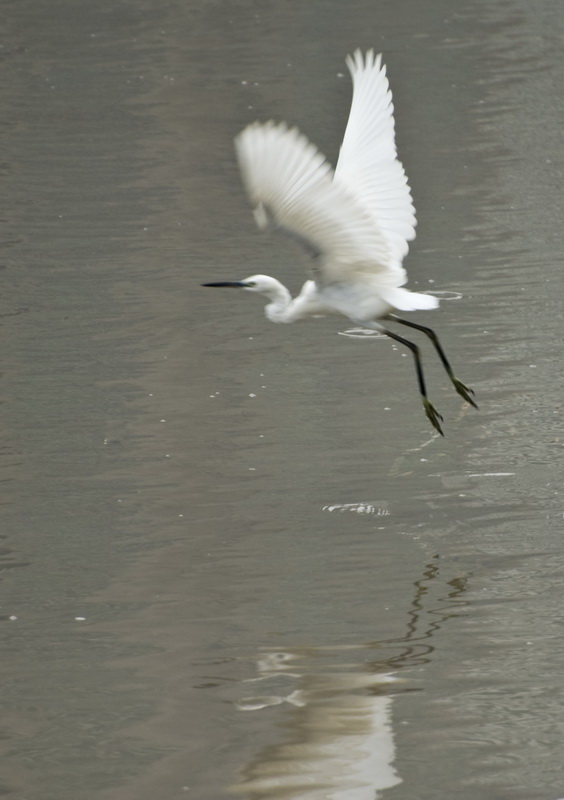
(290, 181)
(368, 167)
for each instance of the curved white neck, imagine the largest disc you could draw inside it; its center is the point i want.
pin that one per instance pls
(280, 299)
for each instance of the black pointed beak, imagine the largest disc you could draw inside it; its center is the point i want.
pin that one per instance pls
(228, 284)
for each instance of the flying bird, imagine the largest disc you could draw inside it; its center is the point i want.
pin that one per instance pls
(355, 222)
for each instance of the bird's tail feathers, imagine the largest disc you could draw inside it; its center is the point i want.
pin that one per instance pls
(404, 300)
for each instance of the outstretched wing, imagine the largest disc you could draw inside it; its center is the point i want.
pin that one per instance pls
(290, 183)
(368, 167)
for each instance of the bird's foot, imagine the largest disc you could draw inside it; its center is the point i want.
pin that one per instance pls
(464, 391)
(433, 415)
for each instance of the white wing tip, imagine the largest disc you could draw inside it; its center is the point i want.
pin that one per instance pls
(367, 61)
(259, 132)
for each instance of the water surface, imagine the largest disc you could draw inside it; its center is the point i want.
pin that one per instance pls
(237, 559)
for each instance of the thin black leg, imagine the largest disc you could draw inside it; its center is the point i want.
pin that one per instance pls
(463, 390)
(432, 414)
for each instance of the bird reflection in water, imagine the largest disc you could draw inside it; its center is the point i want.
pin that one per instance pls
(341, 742)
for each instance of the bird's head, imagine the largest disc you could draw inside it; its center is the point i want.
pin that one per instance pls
(261, 284)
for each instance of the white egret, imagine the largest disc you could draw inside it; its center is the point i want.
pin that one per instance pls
(355, 222)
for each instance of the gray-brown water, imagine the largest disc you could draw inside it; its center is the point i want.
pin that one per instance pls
(236, 558)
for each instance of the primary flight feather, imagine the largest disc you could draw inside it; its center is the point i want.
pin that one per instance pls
(355, 221)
